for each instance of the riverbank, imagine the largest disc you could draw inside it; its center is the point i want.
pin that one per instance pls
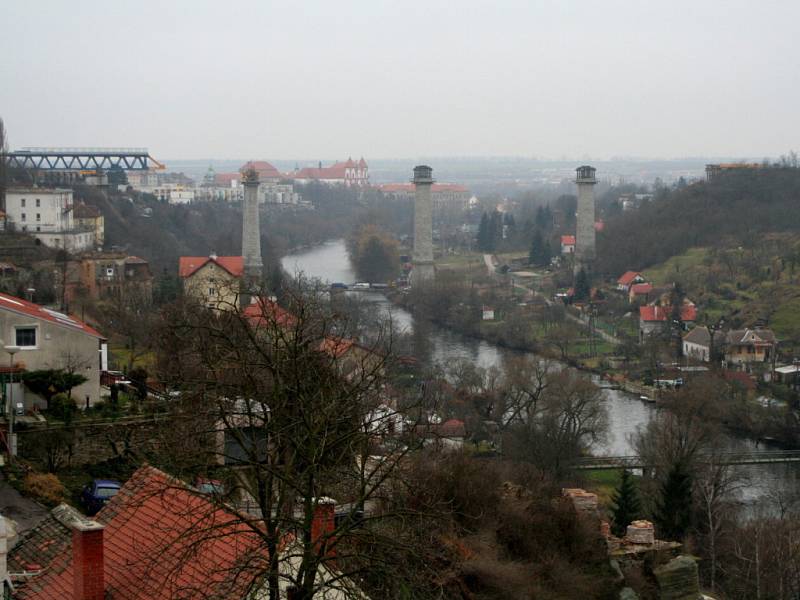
(749, 421)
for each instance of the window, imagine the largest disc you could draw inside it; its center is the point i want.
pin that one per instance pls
(38, 216)
(22, 217)
(38, 203)
(212, 291)
(26, 337)
(22, 202)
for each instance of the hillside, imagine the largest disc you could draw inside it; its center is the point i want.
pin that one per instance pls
(161, 232)
(745, 285)
(736, 209)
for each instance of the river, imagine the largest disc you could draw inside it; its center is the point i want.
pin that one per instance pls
(626, 413)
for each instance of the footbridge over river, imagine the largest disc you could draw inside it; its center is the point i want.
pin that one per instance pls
(597, 463)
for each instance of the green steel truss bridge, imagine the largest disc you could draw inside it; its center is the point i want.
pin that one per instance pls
(83, 159)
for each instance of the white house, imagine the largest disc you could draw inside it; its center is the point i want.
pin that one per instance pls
(48, 215)
(697, 344)
(45, 339)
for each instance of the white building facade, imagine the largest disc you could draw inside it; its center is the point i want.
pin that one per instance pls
(47, 214)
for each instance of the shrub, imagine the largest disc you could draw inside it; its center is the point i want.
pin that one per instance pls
(45, 487)
(62, 407)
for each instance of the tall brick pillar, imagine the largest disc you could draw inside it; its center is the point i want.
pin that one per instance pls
(584, 230)
(423, 226)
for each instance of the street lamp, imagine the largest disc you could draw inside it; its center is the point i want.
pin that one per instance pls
(12, 442)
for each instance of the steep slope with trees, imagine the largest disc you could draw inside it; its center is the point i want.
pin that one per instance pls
(733, 208)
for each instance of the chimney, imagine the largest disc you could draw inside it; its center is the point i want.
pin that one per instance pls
(324, 524)
(88, 578)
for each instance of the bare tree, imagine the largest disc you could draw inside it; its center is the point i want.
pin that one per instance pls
(527, 380)
(570, 417)
(716, 487)
(292, 411)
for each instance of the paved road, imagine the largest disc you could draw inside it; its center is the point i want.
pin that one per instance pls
(488, 260)
(25, 513)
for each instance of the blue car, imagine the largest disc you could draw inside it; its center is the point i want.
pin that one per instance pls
(95, 494)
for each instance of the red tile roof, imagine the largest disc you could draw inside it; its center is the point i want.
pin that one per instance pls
(337, 171)
(336, 347)
(264, 169)
(628, 277)
(161, 541)
(567, 240)
(640, 289)
(24, 307)
(265, 311)
(188, 265)
(662, 313)
(226, 178)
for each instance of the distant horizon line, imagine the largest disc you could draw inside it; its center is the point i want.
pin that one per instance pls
(517, 157)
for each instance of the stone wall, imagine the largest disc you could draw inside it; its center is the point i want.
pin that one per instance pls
(95, 442)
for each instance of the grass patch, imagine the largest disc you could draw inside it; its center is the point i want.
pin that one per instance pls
(786, 320)
(671, 269)
(603, 483)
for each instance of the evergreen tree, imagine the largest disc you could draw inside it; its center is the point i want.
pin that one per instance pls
(544, 218)
(583, 290)
(674, 514)
(484, 239)
(495, 229)
(626, 504)
(539, 254)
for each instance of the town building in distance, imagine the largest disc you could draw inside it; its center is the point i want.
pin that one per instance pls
(49, 216)
(444, 196)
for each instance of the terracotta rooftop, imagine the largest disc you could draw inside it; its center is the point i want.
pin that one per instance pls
(568, 240)
(189, 265)
(628, 277)
(264, 169)
(662, 313)
(639, 289)
(161, 541)
(23, 307)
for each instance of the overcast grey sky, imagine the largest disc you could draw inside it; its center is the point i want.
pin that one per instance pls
(404, 78)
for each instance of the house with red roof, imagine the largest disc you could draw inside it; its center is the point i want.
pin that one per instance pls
(654, 318)
(629, 278)
(157, 539)
(567, 244)
(348, 173)
(265, 170)
(212, 280)
(47, 339)
(640, 292)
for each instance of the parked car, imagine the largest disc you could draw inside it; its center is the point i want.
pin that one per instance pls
(212, 487)
(95, 494)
